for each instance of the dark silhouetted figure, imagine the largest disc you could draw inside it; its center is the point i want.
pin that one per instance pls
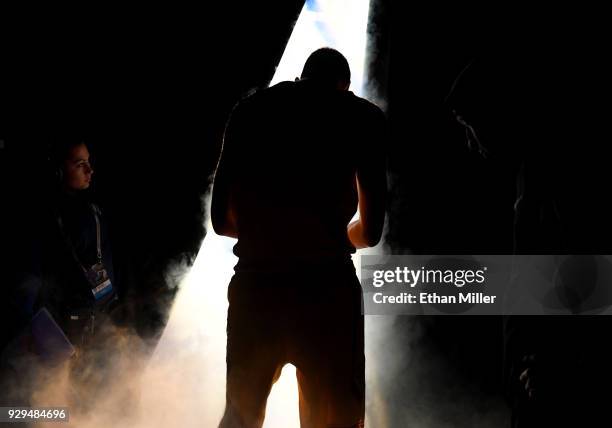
(558, 368)
(298, 159)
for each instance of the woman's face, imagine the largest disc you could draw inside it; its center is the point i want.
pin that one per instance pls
(77, 169)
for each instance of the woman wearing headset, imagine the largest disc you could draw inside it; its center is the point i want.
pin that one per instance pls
(80, 275)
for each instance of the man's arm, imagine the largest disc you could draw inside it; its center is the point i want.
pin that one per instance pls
(222, 213)
(367, 230)
(371, 189)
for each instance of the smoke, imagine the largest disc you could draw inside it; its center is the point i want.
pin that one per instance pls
(412, 383)
(102, 387)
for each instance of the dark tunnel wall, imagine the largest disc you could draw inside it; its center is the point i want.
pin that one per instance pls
(149, 89)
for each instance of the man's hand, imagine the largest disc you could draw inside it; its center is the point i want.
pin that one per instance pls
(371, 193)
(357, 237)
(528, 377)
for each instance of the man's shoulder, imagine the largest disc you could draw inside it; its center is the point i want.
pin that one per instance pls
(279, 89)
(289, 93)
(366, 110)
(258, 97)
(363, 103)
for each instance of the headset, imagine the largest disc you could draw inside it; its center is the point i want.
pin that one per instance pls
(55, 168)
(59, 174)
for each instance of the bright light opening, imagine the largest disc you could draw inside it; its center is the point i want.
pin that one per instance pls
(338, 24)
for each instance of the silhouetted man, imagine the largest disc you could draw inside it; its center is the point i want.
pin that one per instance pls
(557, 367)
(298, 159)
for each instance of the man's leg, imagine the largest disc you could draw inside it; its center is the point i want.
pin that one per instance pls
(329, 355)
(248, 387)
(332, 396)
(254, 351)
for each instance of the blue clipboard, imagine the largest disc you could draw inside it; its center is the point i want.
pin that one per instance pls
(48, 339)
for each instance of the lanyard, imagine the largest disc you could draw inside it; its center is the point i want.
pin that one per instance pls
(68, 241)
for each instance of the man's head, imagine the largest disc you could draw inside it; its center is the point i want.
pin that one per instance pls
(328, 66)
(494, 100)
(74, 167)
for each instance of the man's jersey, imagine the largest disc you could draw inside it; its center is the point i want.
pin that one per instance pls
(293, 151)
